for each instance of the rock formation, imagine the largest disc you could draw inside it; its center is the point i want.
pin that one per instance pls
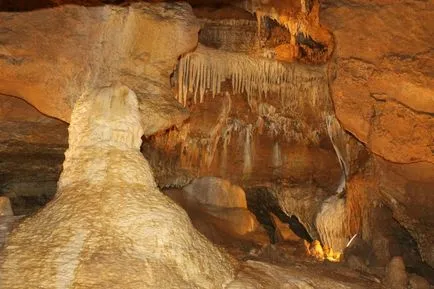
(317, 114)
(396, 277)
(79, 48)
(109, 225)
(32, 147)
(383, 92)
(215, 192)
(5, 207)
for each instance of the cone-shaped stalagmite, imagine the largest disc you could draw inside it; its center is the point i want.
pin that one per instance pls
(109, 226)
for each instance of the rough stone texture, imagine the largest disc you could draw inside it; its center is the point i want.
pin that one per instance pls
(258, 275)
(252, 142)
(222, 203)
(227, 226)
(382, 82)
(303, 202)
(5, 207)
(417, 282)
(7, 223)
(78, 48)
(31, 154)
(109, 225)
(309, 42)
(238, 221)
(396, 276)
(282, 231)
(407, 190)
(382, 85)
(215, 192)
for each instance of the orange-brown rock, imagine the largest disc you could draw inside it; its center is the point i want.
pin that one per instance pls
(50, 57)
(382, 85)
(408, 190)
(381, 78)
(270, 141)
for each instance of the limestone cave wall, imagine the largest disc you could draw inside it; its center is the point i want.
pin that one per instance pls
(322, 111)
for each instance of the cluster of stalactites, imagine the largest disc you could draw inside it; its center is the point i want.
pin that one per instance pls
(205, 69)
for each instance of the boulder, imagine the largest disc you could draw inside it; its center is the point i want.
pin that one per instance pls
(236, 221)
(396, 276)
(215, 192)
(5, 207)
(418, 282)
(282, 231)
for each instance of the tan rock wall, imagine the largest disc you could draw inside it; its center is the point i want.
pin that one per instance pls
(50, 57)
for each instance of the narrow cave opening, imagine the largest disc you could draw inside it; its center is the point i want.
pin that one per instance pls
(263, 203)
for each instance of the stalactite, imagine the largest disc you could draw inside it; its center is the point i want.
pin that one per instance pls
(204, 69)
(339, 140)
(277, 155)
(248, 158)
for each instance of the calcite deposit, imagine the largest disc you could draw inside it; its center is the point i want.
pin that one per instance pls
(291, 132)
(109, 225)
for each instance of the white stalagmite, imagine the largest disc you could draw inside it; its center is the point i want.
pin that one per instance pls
(330, 224)
(205, 69)
(109, 226)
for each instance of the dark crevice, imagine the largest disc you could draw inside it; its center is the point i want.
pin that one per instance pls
(262, 202)
(303, 39)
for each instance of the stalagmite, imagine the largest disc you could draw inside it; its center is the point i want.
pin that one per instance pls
(330, 224)
(109, 226)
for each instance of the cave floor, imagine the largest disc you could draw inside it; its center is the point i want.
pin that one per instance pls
(282, 265)
(286, 265)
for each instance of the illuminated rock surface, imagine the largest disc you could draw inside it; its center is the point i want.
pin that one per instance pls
(109, 225)
(382, 87)
(78, 48)
(250, 99)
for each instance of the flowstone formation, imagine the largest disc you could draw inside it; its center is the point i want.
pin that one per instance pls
(109, 226)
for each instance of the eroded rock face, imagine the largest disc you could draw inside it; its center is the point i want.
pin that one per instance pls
(407, 190)
(382, 83)
(69, 49)
(248, 139)
(383, 91)
(109, 225)
(31, 154)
